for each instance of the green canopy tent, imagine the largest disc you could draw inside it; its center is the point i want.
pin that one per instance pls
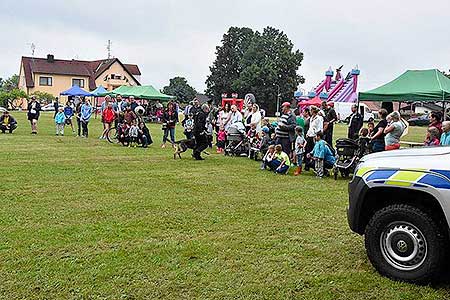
(413, 85)
(147, 92)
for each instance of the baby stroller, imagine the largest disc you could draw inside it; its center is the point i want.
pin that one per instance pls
(236, 144)
(349, 152)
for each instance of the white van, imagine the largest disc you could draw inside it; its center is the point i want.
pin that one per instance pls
(344, 110)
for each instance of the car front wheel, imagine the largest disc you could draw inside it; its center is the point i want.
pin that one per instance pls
(404, 243)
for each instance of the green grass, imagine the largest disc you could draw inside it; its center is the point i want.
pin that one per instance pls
(84, 219)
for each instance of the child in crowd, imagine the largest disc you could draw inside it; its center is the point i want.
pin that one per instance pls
(432, 138)
(134, 133)
(69, 111)
(221, 139)
(370, 127)
(254, 141)
(319, 154)
(60, 120)
(209, 133)
(281, 163)
(268, 156)
(189, 126)
(364, 133)
(266, 141)
(300, 144)
(123, 132)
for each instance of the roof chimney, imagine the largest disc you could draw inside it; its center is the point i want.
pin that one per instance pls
(50, 58)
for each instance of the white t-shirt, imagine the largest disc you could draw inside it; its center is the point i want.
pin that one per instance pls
(300, 140)
(315, 125)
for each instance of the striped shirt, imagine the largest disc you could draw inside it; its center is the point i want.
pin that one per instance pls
(282, 133)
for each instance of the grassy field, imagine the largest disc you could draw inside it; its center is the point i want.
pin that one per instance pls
(84, 219)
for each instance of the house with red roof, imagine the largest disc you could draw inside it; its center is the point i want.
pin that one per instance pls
(56, 75)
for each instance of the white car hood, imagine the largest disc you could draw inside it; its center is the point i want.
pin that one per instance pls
(414, 158)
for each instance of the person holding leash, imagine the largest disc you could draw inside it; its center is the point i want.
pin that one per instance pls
(200, 132)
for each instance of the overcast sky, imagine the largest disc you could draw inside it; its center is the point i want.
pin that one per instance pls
(168, 38)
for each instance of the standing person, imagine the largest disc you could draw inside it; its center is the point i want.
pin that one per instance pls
(319, 154)
(56, 106)
(200, 132)
(285, 130)
(247, 113)
(189, 126)
(195, 107)
(60, 120)
(355, 124)
(68, 113)
(393, 131)
(377, 138)
(256, 118)
(315, 126)
(300, 144)
(224, 115)
(170, 119)
(306, 117)
(78, 113)
(7, 122)
(86, 113)
(299, 120)
(445, 137)
(129, 116)
(329, 120)
(133, 103)
(221, 139)
(34, 111)
(108, 117)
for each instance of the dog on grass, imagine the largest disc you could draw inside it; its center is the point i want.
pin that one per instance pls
(182, 146)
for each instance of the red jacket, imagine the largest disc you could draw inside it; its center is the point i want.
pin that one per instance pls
(108, 115)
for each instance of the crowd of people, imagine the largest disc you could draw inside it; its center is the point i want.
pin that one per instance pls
(300, 137)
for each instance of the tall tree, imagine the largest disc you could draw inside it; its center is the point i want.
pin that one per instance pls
(10, 84)
(179, 87)
(266, 64)
(227, 67)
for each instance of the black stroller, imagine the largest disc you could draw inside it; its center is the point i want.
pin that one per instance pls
(348, 153)
(236, 144)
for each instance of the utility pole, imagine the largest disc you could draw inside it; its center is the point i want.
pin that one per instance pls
(33, 48)
(277, 114)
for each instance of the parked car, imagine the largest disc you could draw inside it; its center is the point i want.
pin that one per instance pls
(400, 201)
(50, 107)
(423, 120)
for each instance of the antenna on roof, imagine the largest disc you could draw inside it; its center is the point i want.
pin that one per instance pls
(32, 47)
(108, 47)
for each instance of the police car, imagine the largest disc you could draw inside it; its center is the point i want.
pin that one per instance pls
(400, 201)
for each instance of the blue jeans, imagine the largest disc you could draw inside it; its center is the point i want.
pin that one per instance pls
(274, 164)
(172, 135)
(377, 146)
(299, 160)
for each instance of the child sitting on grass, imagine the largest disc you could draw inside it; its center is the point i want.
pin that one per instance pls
(300, 144)
(123, 134)
(60, 120)
(268, 156)
(221, 139)
(281, 163)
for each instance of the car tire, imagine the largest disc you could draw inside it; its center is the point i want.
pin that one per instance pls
(406, 244)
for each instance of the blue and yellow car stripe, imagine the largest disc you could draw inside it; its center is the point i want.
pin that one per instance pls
(406, 178)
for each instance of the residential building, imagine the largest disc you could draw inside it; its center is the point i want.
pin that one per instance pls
(56, 75)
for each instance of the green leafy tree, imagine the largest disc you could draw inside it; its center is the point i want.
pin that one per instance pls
(180, 88)
(43, 97)
(9, 84)
(262, 64)
(7, 97)
(228, 67)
